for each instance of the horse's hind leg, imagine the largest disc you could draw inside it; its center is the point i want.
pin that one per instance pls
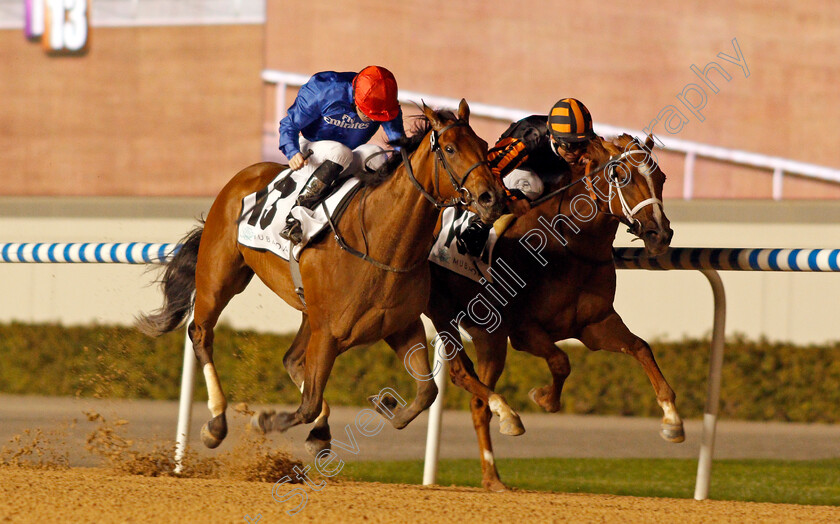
(407, 344)
(218, 277)
(319, 357)
(534, 340)
(611, 334)
(461, 370)
(463, 375)
(320, 436)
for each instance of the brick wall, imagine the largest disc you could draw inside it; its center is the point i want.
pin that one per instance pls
(627, 61)
(148, 111)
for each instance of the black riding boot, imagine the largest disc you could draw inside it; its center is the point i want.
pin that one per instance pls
(473, 239)
(313, 192)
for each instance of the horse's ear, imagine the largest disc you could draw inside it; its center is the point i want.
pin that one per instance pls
(432, 116)
(464, 111)
(649, 143)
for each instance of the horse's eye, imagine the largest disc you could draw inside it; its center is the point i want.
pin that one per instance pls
(450, 150)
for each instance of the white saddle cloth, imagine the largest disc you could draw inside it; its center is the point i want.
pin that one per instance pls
(260, 225)
(446, 253)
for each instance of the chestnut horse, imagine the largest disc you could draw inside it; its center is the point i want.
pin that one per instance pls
(562, 252)
(349, 300)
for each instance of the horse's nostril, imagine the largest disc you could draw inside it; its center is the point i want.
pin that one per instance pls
(486, 199)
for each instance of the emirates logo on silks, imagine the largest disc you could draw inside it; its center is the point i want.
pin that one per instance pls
(346, 122)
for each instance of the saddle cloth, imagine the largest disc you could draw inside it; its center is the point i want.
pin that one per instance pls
(261, 221)
(448, 254)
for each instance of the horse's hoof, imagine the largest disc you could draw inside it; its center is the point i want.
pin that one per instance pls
(270, 421)
(214, 431)
(511, 425)
(258, 421)
(318, 440)
(543, 400)
(385, 406)
(314, 446)
(494, 485)
(672, 432)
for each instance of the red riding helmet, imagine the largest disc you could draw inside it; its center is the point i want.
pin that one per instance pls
(375, 93)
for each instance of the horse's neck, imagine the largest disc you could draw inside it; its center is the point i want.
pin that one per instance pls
(397, 219)
(590, 239)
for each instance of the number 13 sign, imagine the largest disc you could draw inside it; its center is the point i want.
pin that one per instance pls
(63, 25)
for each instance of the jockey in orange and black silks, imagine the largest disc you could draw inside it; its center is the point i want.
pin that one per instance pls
(536, 149)
(332, 118)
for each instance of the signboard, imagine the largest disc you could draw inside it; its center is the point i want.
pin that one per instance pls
(63, 26)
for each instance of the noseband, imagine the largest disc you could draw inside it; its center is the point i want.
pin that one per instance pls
(464, 196)
(612, 180)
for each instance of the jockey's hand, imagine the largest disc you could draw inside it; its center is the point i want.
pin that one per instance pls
(519, 206)
(298, 161)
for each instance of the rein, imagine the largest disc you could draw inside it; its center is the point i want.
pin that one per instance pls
(629, 214)
(364, 256)
(464, 199)
(556, 192)
(569, 250)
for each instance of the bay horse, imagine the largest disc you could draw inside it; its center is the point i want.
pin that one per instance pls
(349, 301)
(562, 251)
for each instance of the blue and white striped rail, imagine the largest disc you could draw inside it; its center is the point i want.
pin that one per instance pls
(686, 258)
(88, 252)
(811, 260)
(706, 260)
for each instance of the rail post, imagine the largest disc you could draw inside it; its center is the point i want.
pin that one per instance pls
(710, 413)
(430, 464)
(182, 434)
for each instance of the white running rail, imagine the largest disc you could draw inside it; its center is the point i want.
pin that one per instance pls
(692, 150)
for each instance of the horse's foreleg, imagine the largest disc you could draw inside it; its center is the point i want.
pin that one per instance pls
(534, 340)
(319, 437)
(407, 344)
(463, 375)
(611, 334)
(491, 361)
(214, 288)
(442, 310)
(318, 360)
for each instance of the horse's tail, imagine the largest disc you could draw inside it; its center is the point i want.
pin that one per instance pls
(178, 284)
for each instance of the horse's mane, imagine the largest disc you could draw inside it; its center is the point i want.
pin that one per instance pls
(421, 126)
(601, 150)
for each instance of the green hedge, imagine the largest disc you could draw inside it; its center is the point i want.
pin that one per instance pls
(761, 380)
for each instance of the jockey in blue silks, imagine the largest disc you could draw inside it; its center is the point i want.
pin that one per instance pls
(333, 117)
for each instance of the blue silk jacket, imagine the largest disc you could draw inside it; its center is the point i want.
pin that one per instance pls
(324, 110)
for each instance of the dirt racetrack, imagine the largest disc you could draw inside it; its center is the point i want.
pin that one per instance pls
(98, 495)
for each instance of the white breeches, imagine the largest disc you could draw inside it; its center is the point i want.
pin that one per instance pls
(352, 161)
(526, 181)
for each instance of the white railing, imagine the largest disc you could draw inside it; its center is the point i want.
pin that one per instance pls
(692, 150)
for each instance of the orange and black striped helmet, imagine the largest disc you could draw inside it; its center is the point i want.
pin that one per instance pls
(570, 121)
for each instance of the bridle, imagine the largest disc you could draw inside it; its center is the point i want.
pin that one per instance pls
(627, 216)
(616, 188)
(464, 196)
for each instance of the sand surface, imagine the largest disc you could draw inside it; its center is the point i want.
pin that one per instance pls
(100, 495)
